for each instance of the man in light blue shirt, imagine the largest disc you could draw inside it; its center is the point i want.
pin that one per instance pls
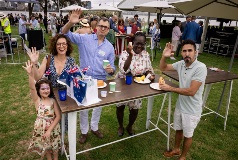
(93, 49)
(192, 75)
(22, 27)
(34, 22)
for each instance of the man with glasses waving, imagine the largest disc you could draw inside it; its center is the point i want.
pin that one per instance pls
(93, 49)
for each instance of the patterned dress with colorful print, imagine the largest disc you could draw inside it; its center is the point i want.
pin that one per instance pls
(140, 64)
(45, 117)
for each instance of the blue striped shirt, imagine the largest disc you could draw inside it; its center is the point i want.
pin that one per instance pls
(91, 54)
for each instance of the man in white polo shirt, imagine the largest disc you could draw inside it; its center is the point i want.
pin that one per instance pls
(192, 75)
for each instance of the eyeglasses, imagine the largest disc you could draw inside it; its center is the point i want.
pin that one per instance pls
(63, 44)
(103, 27)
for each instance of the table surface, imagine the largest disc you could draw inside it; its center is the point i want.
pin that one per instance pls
(212, 76)
(128, 92)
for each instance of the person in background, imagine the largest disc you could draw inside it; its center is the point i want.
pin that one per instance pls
(176, 34)
(199, 40)
(138, 23)
(46, 139)
(45, 22)
(135, 60)
(93, 49)
(84, 27)
(126, 22)
(93, 24)
(22, 28)
(34, 22)
(191, 31)
(134, 29)
(113, 26)
(5, 23)
(121, 28)
(183, 25)
(192, 75)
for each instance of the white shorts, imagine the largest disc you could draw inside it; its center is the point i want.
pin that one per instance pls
(185, 122)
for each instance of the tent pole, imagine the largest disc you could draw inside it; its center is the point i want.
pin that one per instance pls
(231, 62)
(204, 34)
(148, 22)
(233, 54)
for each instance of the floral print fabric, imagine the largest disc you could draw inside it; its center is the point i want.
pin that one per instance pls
(45, 117)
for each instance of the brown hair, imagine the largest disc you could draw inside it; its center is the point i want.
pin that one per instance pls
(53, 41)
(42, 81)
(121, 21)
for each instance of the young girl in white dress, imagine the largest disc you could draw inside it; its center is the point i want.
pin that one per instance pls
(46, 138)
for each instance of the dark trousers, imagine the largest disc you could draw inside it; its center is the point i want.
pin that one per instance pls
(7, 42)
(46, 27)
(178, 49)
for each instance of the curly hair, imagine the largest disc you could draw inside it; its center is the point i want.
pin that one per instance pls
(42, 81)
(53, 41)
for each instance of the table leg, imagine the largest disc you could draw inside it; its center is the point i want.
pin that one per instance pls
(169, 115)
(62, 132)
(149, 110)
(228, 103)
(122, 45)
(72, 127)
(206, 93)
(117, 46)
(151, 49)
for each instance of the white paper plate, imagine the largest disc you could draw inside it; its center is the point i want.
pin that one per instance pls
(155, 86)
(146, 81)
(105, 85)
(214, 69)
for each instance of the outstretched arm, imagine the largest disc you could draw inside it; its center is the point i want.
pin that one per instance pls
(74, 18)
(30, 73)
(34, 56)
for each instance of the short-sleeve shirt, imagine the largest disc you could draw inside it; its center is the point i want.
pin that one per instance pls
(140, 64)
(53, 76)
(197, 71)
(22, 27)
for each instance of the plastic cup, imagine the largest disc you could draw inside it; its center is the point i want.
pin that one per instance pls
(105, 63)
(129, 79)
(103, 93)
(62, 91)
(112, 86)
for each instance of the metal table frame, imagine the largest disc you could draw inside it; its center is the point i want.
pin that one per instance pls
(72, 117)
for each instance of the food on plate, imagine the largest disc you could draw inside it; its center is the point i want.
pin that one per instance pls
(161, 80)
(138, 79)
(100, 83)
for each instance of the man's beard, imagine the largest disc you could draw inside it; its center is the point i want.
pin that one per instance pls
(186, 59)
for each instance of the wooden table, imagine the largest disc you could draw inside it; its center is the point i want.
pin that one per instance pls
(128, 93)
(212, 77)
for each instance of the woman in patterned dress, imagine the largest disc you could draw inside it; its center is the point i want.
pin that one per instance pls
(136, 60)
(60, 49)
(46, 139)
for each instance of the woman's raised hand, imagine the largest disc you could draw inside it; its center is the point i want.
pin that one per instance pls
(28, 67)
(74, 17)
(33, 55)
(129, 49)
(168, 50)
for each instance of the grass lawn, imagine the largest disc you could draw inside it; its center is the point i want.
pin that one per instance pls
(211, 142)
